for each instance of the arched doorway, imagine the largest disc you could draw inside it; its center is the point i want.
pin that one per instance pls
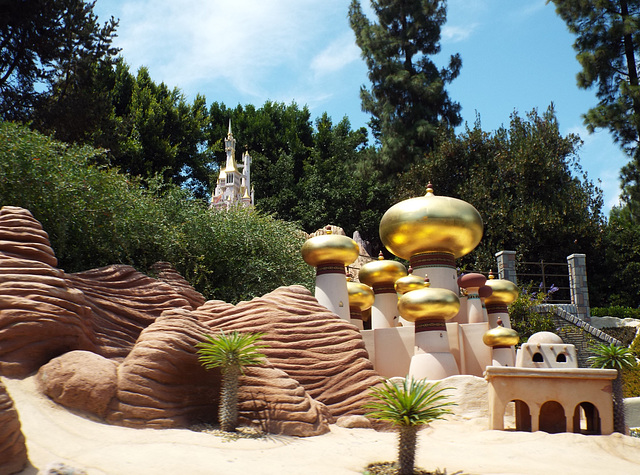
(586, 419)
(523, 416)
(552, 418)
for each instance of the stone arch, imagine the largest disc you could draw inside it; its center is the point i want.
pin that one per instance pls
(538, 358)
(561, 358)
(552, 418)
(523, 415)
(586, 419)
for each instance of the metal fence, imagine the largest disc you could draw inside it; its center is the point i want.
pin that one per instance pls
(543, 276)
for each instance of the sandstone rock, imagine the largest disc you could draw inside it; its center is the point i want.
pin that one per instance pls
(354, 422)
(470, 395)
(80, 380)
(166, 273)
(13, 450)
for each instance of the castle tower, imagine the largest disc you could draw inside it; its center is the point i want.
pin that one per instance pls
(329, 254)
(504, 293)
(381, 275)
(232, 186)
(361, 298)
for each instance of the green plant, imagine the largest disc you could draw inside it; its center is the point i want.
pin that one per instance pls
(408, 405)
(524, 317)
(231, 352)
(619, 358)
(617, 311)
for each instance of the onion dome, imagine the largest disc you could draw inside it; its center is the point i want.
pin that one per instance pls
(431, 224)
(330, 249)
(410, 282)
(545, 338)
(429, 303)
(381, 272)
(504, 291)
(500, 337)
(361, 296)
(472, 280)
(484, 292)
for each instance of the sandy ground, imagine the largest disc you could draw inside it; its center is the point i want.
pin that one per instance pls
(466, 447)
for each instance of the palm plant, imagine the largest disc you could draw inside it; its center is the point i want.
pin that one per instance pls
(231, 352)
(619, 358)
(408, 405)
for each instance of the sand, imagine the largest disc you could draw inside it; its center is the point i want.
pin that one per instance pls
(56, 435)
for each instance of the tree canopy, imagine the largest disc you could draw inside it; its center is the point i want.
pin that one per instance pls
(408, 101)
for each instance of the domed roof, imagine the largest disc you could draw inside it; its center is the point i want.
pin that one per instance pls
(361, 295)
(409, 282)
(543, 338)
(330, 249)
(471, 280)
(504, 291)
(501, 336)
(428, 303)
(381, 271)
(431, 223)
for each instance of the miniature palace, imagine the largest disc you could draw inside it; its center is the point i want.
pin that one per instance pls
(428, 323)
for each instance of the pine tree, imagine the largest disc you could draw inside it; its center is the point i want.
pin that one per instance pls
(408, 101)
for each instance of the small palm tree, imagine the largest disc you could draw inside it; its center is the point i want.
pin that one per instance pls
(408, 405)
(232, 352)
(619, 358)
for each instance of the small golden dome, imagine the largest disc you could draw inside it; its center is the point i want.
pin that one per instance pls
(381, 271)
(501, 336)
(408, 283)
(330, 249)
(361, 295)
(504, 292)
(431, 223)
(429, 303)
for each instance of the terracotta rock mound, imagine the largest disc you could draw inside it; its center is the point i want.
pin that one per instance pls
(166, 273)
(13, 449)
(45, 312)
(323, 353)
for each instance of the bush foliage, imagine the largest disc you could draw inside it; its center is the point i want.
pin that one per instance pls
(96, 216)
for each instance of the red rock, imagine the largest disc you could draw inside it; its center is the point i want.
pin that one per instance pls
(13, 449)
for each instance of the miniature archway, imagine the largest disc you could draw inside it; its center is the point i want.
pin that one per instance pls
(586, 419)
(523, 415)
(552, 418)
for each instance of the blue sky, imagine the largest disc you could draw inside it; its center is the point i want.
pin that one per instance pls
(516, 55)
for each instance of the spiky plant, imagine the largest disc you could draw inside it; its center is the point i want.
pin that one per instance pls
(619, 358)
(408, 405)
(231, 352)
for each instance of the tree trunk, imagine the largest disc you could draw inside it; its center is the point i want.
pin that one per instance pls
(619, 424)
(407, 449)
(228, 411)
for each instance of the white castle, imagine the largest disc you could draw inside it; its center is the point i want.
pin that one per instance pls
(232, 187)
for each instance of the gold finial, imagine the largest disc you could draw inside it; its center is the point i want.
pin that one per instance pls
(328, 230)
(491, 277)
(427, 282)
(380, 256)
(429, 189)
(410, 270)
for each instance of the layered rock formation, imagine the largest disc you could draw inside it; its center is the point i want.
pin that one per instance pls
(120, 345)
(13, 450)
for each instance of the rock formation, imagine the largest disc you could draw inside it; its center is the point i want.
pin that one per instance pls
(121, 346)
(13, 450)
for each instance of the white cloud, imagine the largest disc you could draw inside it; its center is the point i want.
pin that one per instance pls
(341, 52)
(454, 34)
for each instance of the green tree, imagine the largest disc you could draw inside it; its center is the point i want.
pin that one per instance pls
(232, 352)
(45, 45)
(408, 405)
(618, 358)
(526, 183)
(607, 45)
(408, 101)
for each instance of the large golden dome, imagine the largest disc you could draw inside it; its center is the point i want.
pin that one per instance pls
(500, 336)
(431, 223)
(381, 272)
(429, 303)
(408, 283)
(504, 292)
(330, 249)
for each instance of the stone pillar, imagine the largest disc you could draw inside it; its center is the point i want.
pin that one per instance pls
(507, 265)
(578, 284)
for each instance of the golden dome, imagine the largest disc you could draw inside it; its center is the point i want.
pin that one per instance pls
(501, 336)
(382, 271)
(429, 303)
(504, 292)
(408, 283)
(330, 249)
(431, 223)
(360, 295)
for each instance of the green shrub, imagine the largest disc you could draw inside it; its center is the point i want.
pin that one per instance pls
(96, 216)
(523, 316)
(617, 311)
